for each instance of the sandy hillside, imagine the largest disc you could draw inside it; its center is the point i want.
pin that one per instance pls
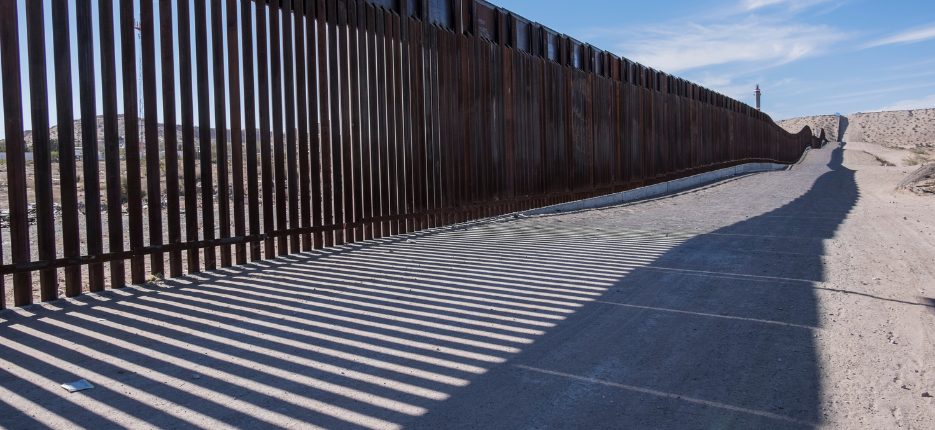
(899, 138)
(827, 122)
(893, 129)
(903, 129)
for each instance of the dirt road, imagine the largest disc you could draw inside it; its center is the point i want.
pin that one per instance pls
(793, 299)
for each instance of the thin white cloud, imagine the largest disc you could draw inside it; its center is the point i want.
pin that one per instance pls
(732, 48)
(741, 88)
(752, 5)
(727, 84)
(752, 41)
(758, 4)
(921, 103)
(909, 36)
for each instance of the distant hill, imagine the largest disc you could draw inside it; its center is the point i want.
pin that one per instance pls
(829, 123)
(894, 129)
(53, 133)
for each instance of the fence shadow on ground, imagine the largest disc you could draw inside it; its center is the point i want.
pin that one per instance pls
(502, 324)
(717, 332)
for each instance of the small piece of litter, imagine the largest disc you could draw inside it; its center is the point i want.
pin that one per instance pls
(196, 376)
(926, 394)
(79, 385)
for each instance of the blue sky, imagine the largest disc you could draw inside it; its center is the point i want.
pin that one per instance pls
(809, 56)
(95, 12)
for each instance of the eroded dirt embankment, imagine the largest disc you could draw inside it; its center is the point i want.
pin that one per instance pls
(904, 129)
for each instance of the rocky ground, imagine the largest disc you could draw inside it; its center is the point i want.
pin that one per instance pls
(921, 182)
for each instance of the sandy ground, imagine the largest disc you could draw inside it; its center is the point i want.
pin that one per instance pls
(904, 129)
(880, 342)
(829, 123)
(5, 246)
(793, 299)
(899, 129)
(5, 243)
(919, 162)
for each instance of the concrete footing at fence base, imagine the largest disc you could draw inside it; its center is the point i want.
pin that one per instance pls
(659, 189)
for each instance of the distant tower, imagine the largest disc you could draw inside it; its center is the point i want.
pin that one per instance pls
(757, 92)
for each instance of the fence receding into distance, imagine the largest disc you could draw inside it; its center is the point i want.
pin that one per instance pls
(351, 120)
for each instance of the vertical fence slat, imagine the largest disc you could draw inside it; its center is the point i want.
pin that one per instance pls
(112, 171)
(151, 124)
(355, 200)
(469, 174)
(383, 118)
(324, 124)
(450, 94)
(301, 71)
(204, 134)
(236, 137)
(220, 127)
(42, 158)
(89, 157)
(439, 103)
(131, 127)
(291, 155)
(397, 183)
(418, 117)
(186, 92)
(445, 146)
(367, 117)
(313, 43)
(412, 120)
(434, 129)
(262, 44)
(279, 162)
(388, 135)
(347, 154)
(334, 90)
(405, 122)
(16, 149)
(373, 141)
(510, 111)
(250, 126)
(262, 62)
(170, 135)
(68, 177)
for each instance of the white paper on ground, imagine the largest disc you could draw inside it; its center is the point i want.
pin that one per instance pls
(79, 385)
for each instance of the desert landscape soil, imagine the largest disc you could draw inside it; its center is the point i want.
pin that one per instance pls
(898, 129)
(81, 186)
(828, 123)
(105, 236)
(905, 129)
(793, 299)
(903, 138)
